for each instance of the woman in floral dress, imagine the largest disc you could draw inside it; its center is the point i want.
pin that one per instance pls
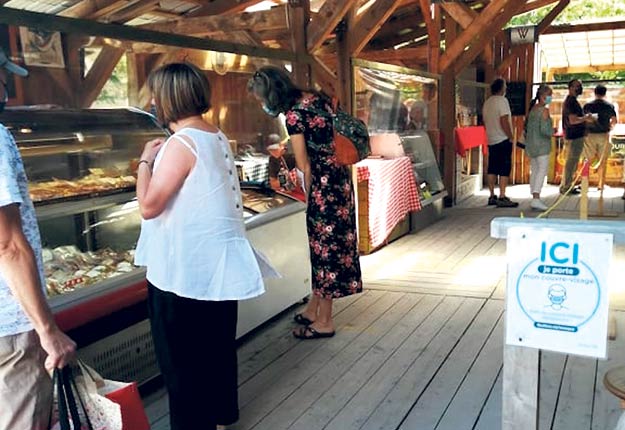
(330, 219)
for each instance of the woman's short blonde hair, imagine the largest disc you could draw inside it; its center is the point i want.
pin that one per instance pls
(180, 90)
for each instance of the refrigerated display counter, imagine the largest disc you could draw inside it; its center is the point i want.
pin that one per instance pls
(82, 164)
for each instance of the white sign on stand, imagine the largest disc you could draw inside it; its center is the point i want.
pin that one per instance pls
(557, 291)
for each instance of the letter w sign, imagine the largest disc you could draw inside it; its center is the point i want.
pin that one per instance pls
(521, 35)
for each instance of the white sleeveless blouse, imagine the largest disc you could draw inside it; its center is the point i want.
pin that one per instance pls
(197, 247)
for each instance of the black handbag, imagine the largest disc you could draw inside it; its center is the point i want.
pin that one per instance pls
(72, 413)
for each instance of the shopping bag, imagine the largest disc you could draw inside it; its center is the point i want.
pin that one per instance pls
(77, 404)
(124, 394)
(66, 414)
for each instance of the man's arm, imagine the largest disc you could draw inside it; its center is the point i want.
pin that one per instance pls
(19, 269)
(504, 120)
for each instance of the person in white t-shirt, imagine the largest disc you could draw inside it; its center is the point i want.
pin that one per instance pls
(498, 122)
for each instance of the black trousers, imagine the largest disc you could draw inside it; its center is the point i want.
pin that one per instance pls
(196, 352)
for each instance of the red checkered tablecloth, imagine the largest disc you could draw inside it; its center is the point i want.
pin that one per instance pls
(392, 194)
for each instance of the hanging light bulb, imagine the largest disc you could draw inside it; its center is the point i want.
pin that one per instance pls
(222, 62)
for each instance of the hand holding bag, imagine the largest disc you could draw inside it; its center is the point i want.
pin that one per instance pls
(78, 404)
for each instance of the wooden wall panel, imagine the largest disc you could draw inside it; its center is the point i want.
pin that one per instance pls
(238, 114)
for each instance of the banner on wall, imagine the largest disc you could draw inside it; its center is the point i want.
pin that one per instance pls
(42, 48)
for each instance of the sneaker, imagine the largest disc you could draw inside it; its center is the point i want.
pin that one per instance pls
(575, 191)
(539, 205)
(492, 201)
(505, 202)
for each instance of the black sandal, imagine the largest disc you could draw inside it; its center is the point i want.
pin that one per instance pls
(301, 319)
(308, 332)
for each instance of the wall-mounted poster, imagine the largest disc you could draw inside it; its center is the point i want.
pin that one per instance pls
(8, 44)
(42, 48)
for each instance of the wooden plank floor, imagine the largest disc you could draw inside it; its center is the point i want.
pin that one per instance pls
(421, 348)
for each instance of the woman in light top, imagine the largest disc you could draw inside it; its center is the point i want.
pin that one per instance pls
(193, 243)
(538, 132)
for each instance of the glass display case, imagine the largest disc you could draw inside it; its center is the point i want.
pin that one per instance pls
(400, 108)
(81, 167)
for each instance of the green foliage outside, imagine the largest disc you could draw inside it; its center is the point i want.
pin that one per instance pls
(115, 91)
(576, 12)
(579, 12)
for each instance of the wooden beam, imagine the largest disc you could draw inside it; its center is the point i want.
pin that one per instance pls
(400, 24)
(324, 77)
(369, 23)
(99, 74)
(434, 40)
(566, 28)
(419, 54)
(328, 17)
(92, 8)
(133, 11)
(48, 22)
(299, 16)
(480, 25)
(460, 12)
(553, 14)
(487, 35)
(536, 4)
(390, 42)
(273, 19)
(222, 7)
(344, 71)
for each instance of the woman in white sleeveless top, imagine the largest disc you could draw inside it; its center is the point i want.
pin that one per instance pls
(199, 262)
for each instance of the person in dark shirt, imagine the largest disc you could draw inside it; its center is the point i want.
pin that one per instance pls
(598, 139)
(574, 124)
(282, 173)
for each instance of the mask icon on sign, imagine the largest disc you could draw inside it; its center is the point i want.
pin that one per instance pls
(557, 296)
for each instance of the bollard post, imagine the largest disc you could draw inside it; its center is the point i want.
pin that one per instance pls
(583, 202)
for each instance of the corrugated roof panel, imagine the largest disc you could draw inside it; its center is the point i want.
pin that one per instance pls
(177, 6)
(43, 6)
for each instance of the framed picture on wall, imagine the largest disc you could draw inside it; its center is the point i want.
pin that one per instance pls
(42, 48)
(8, 42)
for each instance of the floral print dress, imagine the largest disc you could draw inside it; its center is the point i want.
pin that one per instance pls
(330, 218)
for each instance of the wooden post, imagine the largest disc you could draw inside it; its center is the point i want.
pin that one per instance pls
(299, 15)
(521, 378)
(344, 66)
(448, 119)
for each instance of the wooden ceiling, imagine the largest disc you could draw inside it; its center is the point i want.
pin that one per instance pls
(380, 24)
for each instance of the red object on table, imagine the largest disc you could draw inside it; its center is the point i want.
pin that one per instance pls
(392, 194)
(470, 137)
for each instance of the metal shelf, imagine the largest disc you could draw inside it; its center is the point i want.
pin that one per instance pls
(55, 210)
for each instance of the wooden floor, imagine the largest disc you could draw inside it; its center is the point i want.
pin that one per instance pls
(421, 348)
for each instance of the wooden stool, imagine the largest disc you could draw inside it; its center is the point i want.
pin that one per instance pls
(614, 381)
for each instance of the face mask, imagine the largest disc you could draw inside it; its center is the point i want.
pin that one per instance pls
(269, 111)
(6, 97)
(548, 100)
